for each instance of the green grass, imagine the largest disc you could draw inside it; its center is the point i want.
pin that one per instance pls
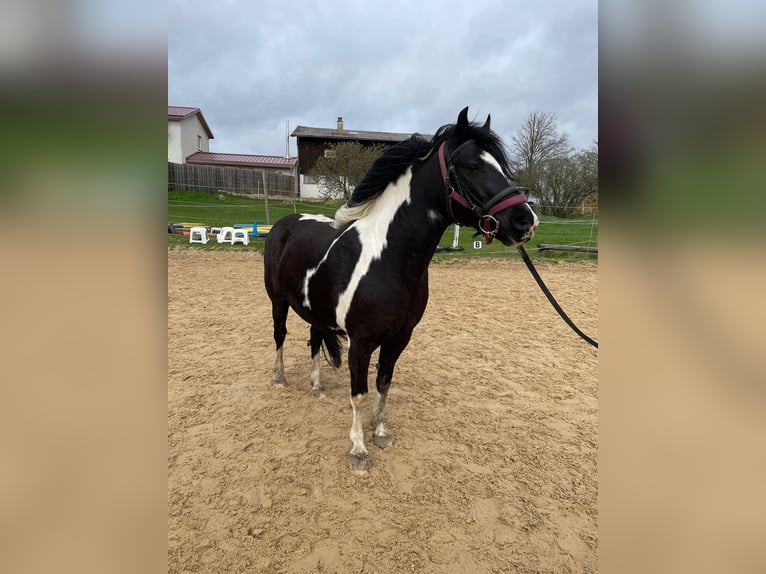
(206, 208)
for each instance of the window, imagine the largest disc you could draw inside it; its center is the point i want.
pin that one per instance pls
(199, 143)
(329, 153)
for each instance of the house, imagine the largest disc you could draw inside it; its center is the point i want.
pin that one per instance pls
(313, 143)
(188, 133)
(192, 167)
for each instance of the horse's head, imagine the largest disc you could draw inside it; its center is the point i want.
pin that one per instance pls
(481, 190)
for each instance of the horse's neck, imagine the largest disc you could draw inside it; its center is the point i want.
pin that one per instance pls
(425, 220)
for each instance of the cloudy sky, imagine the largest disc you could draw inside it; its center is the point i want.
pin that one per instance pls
(393, 65)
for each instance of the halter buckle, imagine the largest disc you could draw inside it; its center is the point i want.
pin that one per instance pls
(491, 228)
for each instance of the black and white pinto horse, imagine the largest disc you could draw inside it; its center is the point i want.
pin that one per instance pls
(364, 274)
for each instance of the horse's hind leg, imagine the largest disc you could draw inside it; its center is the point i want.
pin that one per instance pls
(358, 362)
(389, 354)
(317, 390)
(279, 315)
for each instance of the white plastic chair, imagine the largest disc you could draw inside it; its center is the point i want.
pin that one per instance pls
(240, 235)
(226, 235)
(198, 235)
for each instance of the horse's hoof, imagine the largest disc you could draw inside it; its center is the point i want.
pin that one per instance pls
(278, 380)
(318, 393)
(358, 463)
(383, 440)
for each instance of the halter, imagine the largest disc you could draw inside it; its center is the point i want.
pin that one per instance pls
(485, 214)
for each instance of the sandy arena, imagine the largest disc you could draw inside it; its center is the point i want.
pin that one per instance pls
(493, 409)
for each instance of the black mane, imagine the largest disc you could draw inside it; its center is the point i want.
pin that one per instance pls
(389, 166)
(393, 162)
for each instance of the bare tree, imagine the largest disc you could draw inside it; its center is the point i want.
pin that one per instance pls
(563, 182)
(556, 175)
(538, 139)
(341, 170)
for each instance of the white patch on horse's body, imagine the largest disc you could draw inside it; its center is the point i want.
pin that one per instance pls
(373, 230)
(316, 217)
(310, 273)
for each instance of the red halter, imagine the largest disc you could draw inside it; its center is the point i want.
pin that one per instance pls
(487, 223)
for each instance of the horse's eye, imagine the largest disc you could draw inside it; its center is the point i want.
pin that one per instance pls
(472, 166)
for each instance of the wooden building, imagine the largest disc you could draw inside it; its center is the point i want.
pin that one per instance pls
(313, 143)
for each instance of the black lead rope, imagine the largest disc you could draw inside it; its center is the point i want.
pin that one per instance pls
(548, 294)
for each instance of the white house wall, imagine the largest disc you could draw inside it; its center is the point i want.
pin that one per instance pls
(175, 155)
(309, 190)
(182, 139)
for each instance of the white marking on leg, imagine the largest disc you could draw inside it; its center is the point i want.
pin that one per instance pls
(356, 433)
(373, 230)
(315, 382)
(378, 407)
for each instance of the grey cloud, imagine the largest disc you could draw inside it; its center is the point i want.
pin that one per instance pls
(398, 66)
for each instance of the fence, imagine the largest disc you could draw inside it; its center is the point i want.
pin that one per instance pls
(238, 180)
(585, 207)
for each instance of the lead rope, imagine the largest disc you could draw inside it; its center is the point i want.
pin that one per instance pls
(550, 297)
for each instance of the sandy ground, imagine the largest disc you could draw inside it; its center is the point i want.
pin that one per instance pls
(493, 409)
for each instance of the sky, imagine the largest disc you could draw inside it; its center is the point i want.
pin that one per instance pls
(394, 66)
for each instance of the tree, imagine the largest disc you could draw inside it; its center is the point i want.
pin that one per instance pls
(563, 182)
(556, 174)
(538, 139)
(341, 170)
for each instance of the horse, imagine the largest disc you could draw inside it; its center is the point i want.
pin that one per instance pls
(362, 275)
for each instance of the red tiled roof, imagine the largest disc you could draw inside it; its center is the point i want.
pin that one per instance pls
(241, 159)
(178, 113)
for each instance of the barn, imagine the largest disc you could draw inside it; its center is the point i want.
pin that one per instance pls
(313, 143)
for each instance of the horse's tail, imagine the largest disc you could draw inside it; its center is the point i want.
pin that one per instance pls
(333, 345)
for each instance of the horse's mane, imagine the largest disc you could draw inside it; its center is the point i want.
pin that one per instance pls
(389, 166)
(393, 162)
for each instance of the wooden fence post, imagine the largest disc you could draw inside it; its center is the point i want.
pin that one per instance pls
(266, 197)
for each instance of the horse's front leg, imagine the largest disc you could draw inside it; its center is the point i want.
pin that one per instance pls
(389, 354)
(358, 362)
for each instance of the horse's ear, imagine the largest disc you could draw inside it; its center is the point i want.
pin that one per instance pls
(485, 127)
(462, 118)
